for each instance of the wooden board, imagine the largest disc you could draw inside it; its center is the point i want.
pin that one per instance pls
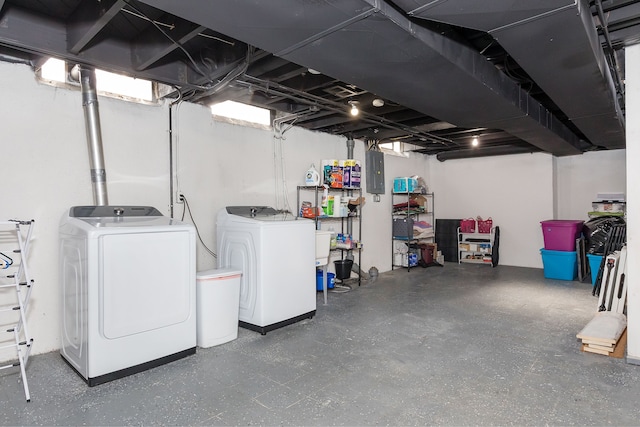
(604, 329)
(607, 348)
(589, 349)
(616, 351)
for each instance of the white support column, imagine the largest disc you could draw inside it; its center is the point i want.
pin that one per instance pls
(632, 61)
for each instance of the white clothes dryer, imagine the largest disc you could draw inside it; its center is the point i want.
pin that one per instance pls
(128, 281)
(276, 253)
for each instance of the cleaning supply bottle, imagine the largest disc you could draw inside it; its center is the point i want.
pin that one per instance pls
(312, 176)
(325, 200)
(333, 240)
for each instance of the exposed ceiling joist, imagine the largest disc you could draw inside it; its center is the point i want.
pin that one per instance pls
(531, 74)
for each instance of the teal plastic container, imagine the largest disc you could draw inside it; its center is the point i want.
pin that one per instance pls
(594, 265)
(562, 265)
(331, 279)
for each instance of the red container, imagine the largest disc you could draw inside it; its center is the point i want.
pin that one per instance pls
(468, 225)
(485, 226)
(561, 234)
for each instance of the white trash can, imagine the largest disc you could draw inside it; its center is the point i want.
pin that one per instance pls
(217, 305)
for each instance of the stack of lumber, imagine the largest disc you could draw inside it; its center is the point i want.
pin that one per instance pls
(605, 334)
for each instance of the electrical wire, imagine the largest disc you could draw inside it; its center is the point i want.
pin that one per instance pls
(317, 102)
(176, 146)
(227, 79)
(275, 139)
(285, 191)
(279, 154)
(188, 208)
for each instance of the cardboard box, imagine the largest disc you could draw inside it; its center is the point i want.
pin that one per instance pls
(421, 201)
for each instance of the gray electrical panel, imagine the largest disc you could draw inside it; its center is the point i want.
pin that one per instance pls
(374, 162)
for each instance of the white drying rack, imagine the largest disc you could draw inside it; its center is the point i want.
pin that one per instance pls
(15, 279)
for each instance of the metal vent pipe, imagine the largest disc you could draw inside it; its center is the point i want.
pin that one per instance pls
(350, 146)
(94, 134)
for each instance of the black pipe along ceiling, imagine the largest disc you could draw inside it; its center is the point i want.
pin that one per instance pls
(544, 76)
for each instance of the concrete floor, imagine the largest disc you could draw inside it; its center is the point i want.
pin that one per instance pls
(458, 345)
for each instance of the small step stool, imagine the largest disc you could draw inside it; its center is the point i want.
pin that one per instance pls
(15, 291)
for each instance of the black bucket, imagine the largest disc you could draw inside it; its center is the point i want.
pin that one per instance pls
(343, 268)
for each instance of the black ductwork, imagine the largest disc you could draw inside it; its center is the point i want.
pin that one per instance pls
(556, 42)
(376, 47)
(484, 152)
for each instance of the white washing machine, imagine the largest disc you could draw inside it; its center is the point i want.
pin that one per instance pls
(128, 281)
(276, 253)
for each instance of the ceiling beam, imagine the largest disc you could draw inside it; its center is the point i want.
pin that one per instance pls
(88, 20)
(147, 49)
(43, 35)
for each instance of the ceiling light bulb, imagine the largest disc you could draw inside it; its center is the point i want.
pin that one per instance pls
(475, 141)
(354, 110)
(378, 102)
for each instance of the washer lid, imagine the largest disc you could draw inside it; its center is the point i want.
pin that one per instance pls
(260, 213)
(112, 211)
(101, 217)
(252, 211)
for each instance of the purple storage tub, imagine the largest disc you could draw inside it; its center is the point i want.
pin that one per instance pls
(561, 234)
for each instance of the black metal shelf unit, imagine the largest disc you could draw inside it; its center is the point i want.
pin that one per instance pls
(354, 215)
(405, 212)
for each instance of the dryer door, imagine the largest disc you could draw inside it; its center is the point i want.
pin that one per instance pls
(144, 281)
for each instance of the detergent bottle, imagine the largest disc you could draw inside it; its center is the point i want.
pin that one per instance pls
(312, 177)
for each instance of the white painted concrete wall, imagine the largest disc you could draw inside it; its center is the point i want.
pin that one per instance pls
(515, 191)
(581, 178)
(46, 170)
(221, 164)
(632, 63)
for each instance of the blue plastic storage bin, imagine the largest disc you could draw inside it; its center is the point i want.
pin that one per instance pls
(404, 184)
(594, 265)
(331, 280)
(561, 265)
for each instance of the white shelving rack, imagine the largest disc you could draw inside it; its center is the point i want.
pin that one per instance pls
(15, 292)
(477, 248)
